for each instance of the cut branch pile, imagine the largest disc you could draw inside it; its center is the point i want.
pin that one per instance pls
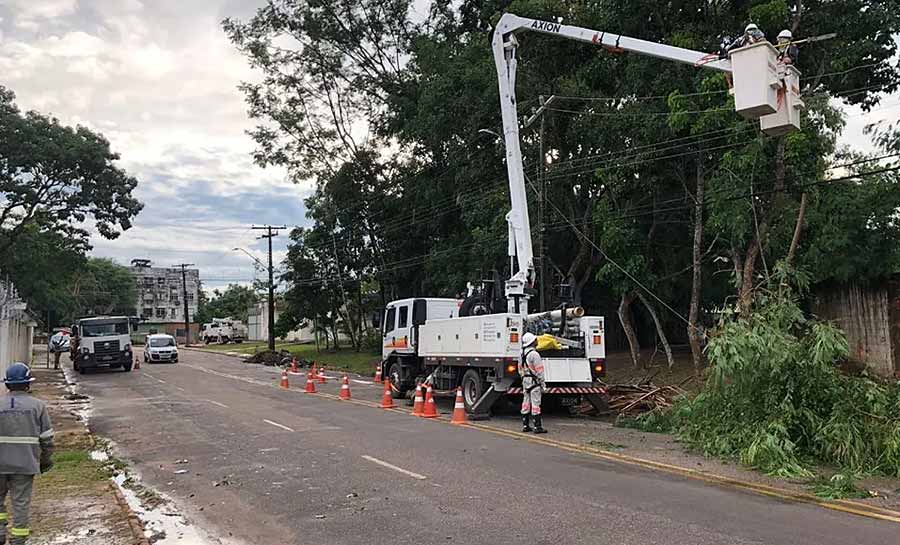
(639, 398)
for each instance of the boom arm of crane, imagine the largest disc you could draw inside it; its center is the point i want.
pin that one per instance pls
(504, 45)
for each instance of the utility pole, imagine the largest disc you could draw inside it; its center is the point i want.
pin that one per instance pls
(187, 318)
(271, 232)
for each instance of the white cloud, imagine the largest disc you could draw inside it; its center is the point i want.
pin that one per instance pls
(29, 14)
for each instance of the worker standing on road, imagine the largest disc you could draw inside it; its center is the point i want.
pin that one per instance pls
(58, 343)
(531, 369)
(26, 444)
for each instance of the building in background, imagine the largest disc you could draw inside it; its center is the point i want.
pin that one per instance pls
(160, 304)
(258, 325)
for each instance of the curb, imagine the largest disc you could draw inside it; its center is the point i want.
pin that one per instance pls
(134, 522)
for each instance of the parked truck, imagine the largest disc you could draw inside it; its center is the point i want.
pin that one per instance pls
(102, 341)
(427, 338)
(223, 331)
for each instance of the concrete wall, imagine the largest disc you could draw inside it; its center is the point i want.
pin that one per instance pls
(16, 329)
(870, 317)
(175, 330)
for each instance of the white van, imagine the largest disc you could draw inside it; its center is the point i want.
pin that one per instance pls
(160, 347)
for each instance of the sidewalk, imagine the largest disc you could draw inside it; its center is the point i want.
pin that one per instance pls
(75, 503)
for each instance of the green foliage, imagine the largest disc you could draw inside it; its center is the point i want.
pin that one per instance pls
(234, 302)
(776, 400)
(105, 287)
(838, 487)
(58, 177)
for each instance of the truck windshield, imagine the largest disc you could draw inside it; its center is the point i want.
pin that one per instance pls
(101, 329)
(162, 342)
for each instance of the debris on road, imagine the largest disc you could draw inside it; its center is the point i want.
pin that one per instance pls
(270, 358)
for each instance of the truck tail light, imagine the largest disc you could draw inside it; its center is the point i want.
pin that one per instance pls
(598, 366)
(513, 338)
(512, 367)
(597, 339)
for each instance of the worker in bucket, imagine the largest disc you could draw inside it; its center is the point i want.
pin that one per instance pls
(26, 444)
(787, 51)
(531, 369)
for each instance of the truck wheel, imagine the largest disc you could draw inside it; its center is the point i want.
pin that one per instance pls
(397, 389)
(473, 388)
(127, 366)
(225, 340)
(239, 341)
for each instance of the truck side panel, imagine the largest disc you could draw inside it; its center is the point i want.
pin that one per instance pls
(492, 335)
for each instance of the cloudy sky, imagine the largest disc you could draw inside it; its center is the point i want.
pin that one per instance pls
(158, 78)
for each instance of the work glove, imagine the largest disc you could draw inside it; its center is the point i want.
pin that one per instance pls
(46, 464)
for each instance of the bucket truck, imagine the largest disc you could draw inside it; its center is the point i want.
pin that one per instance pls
(453, 342)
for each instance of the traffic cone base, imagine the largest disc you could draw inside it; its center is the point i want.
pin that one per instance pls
(459, 409)
(345, 388)
(284, 380)
(419, 402)
(310, 383)
(430, 408)
(387, 400)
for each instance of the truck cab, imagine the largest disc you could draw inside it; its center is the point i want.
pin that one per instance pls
(399, 330)
(102, 341)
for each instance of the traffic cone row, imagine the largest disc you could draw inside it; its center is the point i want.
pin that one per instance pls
(284, 379)
(387, 400)
(310, 383)
(345, 387)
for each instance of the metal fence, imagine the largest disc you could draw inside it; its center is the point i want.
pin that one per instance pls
(16, 327)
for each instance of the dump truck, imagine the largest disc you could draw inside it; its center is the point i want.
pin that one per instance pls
(102, 341)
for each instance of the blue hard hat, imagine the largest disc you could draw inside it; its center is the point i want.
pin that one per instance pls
(18, 373)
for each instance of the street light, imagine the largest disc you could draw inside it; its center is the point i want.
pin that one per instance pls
(253, 257)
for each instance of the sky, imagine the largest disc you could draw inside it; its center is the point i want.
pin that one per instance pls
(159, 79)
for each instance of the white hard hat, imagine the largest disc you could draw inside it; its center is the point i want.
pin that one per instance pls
(751, 26)
(786, 34)
(528, 339)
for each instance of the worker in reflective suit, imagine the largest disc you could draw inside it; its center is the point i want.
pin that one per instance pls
(531, 369)
(26, 444)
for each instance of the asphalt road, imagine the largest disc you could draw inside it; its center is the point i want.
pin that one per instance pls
(269, 466)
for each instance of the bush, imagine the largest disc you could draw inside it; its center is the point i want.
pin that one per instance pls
(776, 400)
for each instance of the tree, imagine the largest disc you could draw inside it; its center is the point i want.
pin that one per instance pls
(104, 287)
(58, 177)
(235, 302)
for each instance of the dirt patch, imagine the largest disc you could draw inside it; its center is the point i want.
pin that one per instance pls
(74, 503)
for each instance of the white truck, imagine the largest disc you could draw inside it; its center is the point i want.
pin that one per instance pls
(428, 338)
(102, 341)
(223, 331)
(475, 343)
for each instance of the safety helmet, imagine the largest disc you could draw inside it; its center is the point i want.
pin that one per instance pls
(751, 27)
(528, 339)
(785, 35)
(18, 373)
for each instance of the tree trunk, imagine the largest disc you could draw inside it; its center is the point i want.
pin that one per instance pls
(659, 329)
(316, 334)
(628, 327)
(694, 313)
(798, 229)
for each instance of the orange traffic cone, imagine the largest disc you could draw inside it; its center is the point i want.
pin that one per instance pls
(387, 400)
(137, 364)
(321, 377)
(378, 374)
(430, 410)
(293, 365)
(459, 409)
(345, 388)
(284, 379)
(310, 383)
(418, 402)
